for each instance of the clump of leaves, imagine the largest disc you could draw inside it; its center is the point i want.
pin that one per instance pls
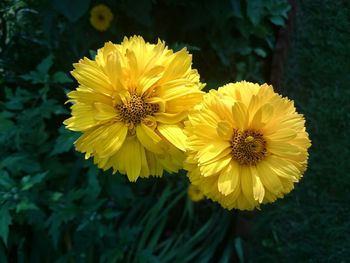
(55, 206)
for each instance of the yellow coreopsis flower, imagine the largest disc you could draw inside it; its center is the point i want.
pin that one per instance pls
(101, 17)
(194, 193)
(246, 145)
(130, 106)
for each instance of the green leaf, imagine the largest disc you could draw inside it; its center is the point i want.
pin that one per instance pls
(93, 189)
(278, 8)
(45, 65)
(277, 20)
(35, 77)
(227, 253)
(113, 255)
(15, 100)
(11, 161)
(5, 181)
(5, 124)
(65, 141)
(20, 162)
(55, 196)
(28, 182)
(255, 11)
(146, 255)
(72, 10)
(260, 52)
(239, 249)
(111, 214)
(61, 78)
(5, 221)
(49, 107)
(236, 8)
(25, 205)
(65, 212)
(41, 74)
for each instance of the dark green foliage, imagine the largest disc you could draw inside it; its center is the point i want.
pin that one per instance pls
(58, 207)
(312, 223)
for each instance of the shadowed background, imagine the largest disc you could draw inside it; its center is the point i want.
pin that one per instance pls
(58, 207)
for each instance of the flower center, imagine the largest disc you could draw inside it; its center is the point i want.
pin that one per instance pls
(136, 109)
(248, 147)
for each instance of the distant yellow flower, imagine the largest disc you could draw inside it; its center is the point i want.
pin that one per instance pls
(130, 106)
(101, 17)
(194, 193)
(246, 145)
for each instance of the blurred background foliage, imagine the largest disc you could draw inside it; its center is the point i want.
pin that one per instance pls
(58, 207)
(312, 223)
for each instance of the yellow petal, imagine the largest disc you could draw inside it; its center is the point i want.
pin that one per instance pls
(284, 168)
(170, 118)
(282, 135)
(112, 139)
(177, 92)
(215, 167)
(240, 115)
(132, 156)
(247, 184)
(149, 80)
(283, 149)
(269, 197)
(224, 130)
(174, 134)
(102, 53)
(214, 151)
(133, 65)
(262, 116)
(222, 107)
(244, 204)
(179, 65)
(90, 75)
(149, 139)
(145, 171)
(88, 96)
(154, 165)
(258, 188)
(114, 70)
(229, 179)
(82, 118)
(86, 143)
(269, 178)
(173, 160)
(253, 105)
(104, 112)
(183, 103)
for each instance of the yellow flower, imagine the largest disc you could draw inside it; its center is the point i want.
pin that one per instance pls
(101, 17)
(130, 106)
(194, 193)
(246, 145)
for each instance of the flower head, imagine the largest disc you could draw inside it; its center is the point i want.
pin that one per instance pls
(101, 17)
(246, 145)
(194, 193)
(130, 106)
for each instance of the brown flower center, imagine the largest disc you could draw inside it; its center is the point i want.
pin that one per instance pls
(136, 109)
(248, 147)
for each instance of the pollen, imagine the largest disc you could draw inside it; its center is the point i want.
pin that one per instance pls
(136, 110)
(248, 147)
